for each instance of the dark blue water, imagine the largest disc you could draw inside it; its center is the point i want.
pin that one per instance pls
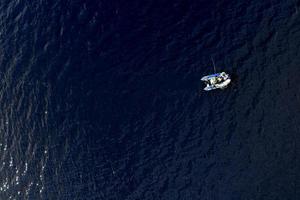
(103, 100)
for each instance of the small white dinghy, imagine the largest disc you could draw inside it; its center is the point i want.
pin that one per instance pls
(216, 81)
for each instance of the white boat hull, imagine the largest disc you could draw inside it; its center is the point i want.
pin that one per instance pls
(222, 85)
(212, 83)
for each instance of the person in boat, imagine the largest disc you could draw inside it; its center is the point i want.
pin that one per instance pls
(224, 76)
(217, 80)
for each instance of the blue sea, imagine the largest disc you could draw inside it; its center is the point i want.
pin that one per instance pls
(102, 100)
